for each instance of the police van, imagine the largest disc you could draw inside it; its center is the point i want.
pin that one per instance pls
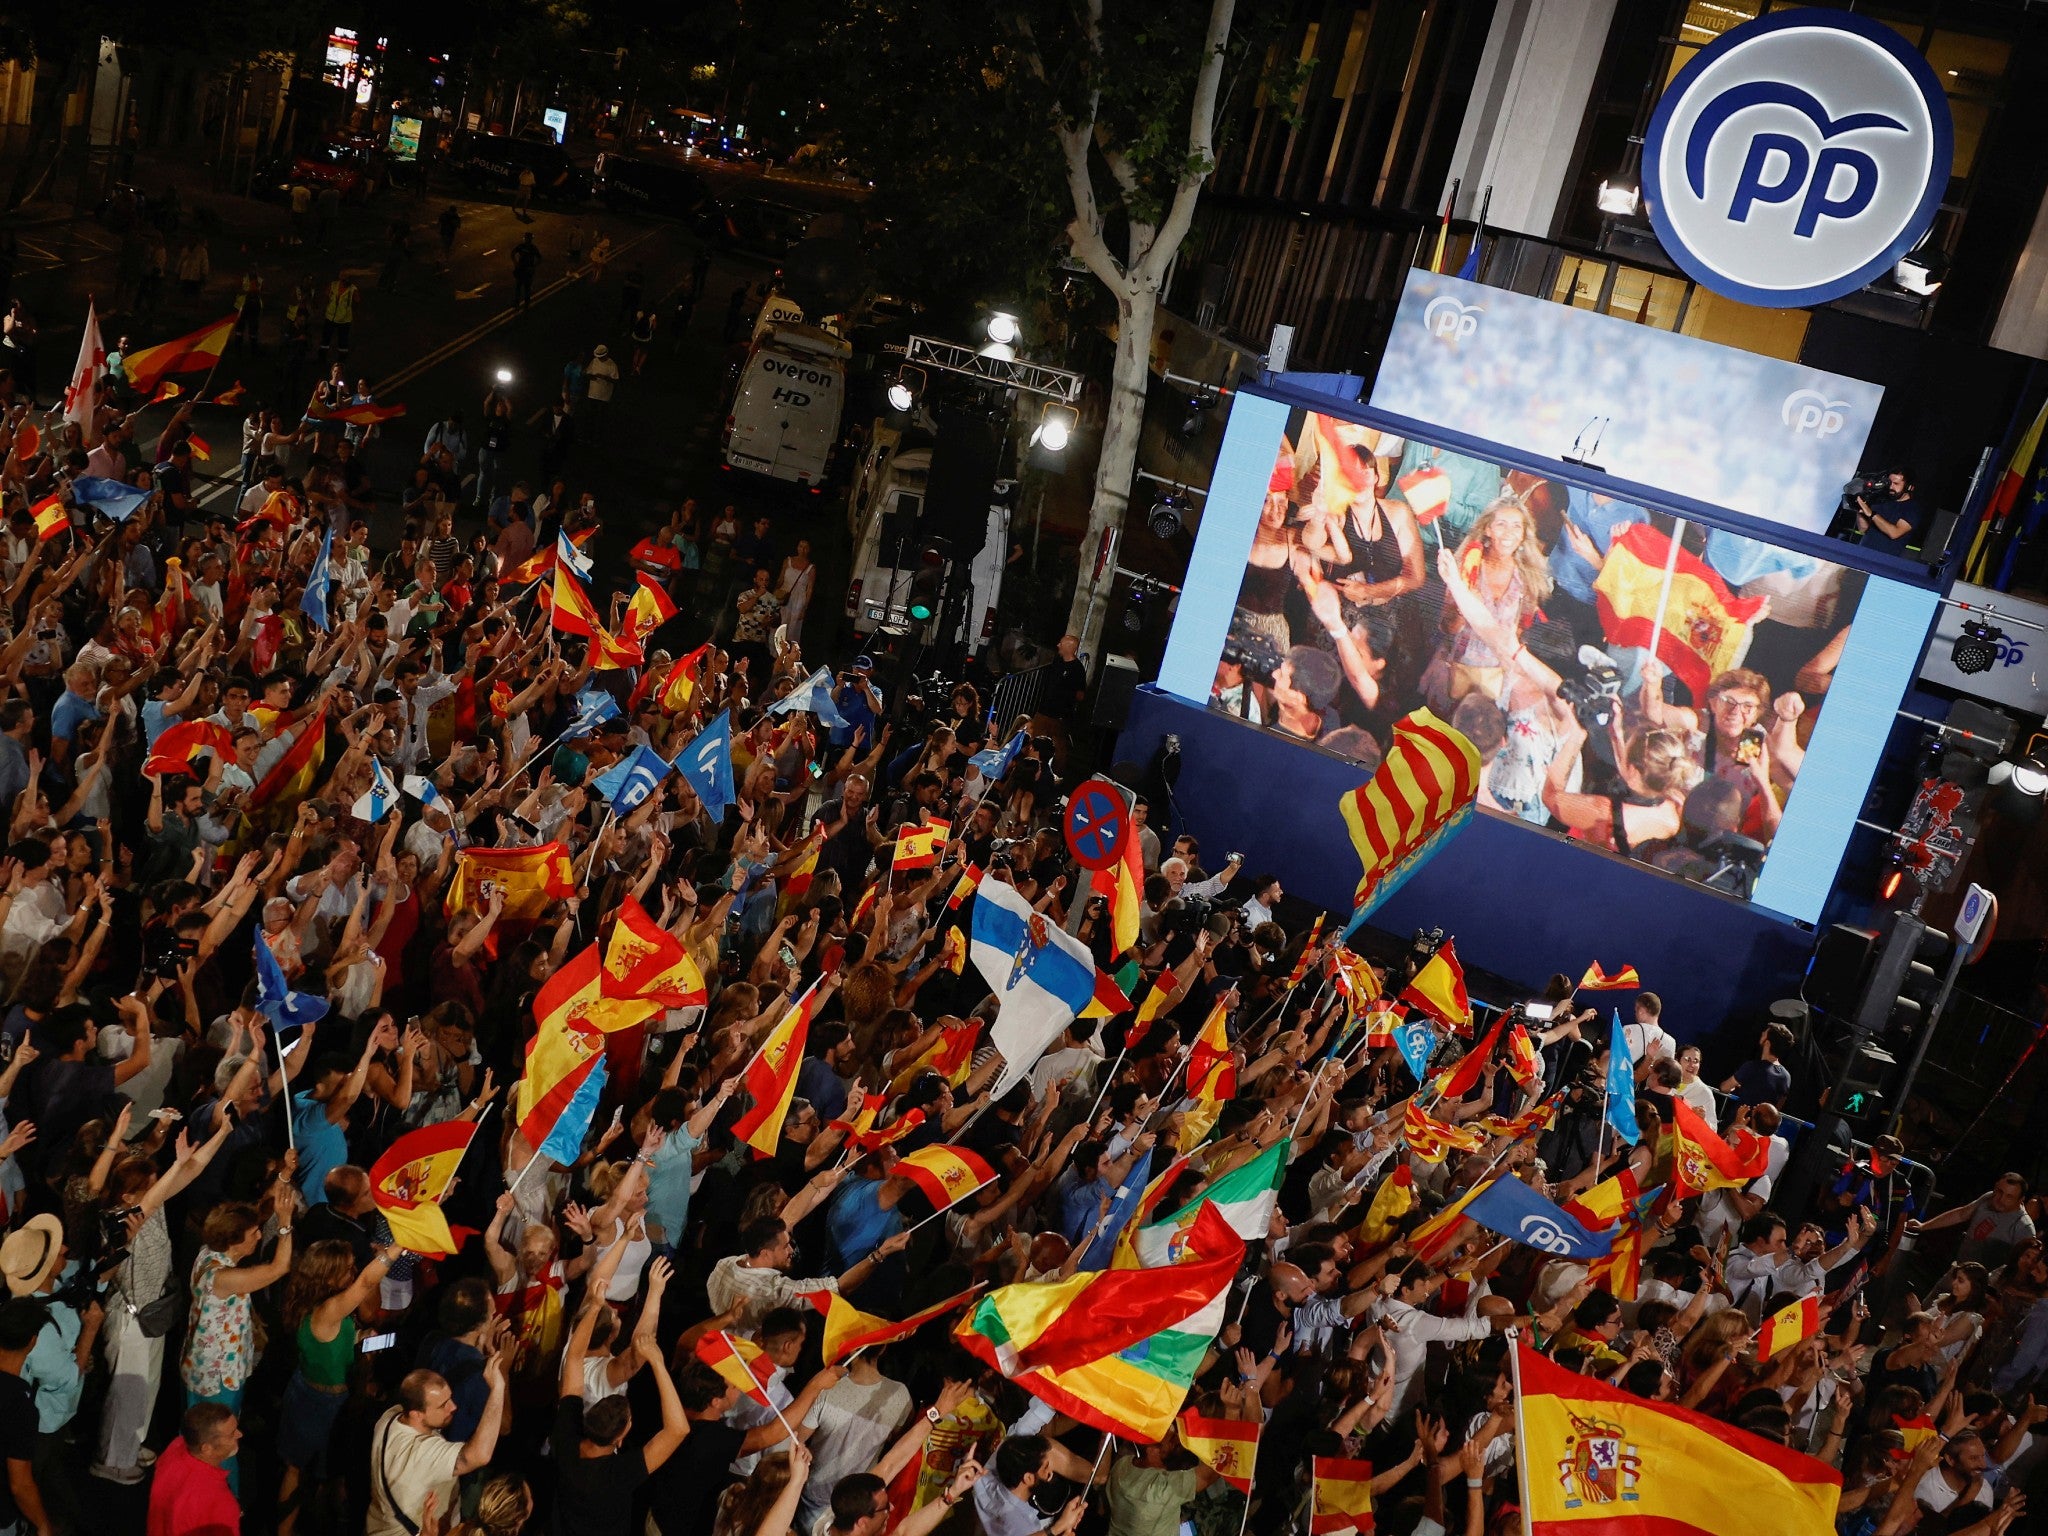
(785, 413)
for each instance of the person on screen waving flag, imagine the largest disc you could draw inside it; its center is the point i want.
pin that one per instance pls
(770, 1078)
(1042, 977)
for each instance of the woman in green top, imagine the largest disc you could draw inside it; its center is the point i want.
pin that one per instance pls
(320, 1304)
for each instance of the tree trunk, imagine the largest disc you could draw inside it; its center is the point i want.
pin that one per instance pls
(1137, 307)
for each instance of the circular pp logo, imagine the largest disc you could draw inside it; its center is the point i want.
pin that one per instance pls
(1797, 157)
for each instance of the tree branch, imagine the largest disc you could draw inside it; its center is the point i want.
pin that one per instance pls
(1180, 215)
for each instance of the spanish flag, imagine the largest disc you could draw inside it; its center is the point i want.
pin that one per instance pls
(177, 746)
(188, 354)
(944, 1175)
(964, 887)
(847, 1328)
(1599, 1461)
(1164, 986)
(1464, 1077)
(1523, 1061)
(918, 847)
(571, 611)
(408, 1181)
(1343, 1496)
(1434, 1238)
(644, 960)
(1421, 793)
(1200, 1117)
(201, 448)
(951, 1055)
(797, 883)
(291, 777)
(1915, 1430)
(741, 1362)
(681, 683)
(1123, 884)
(1109, 999)
(1227, 1447)
(1597, 980)
(771, 1078)
(532, 568)
(1619, 1270)
(614, 653)
(1308, 949)
(1439, 989)
(529, 877)
(1606, 1202)
(364, 413)
(1703, 629)
(558, 1092)
(1701, 1160)
(1788, 1326)
(1210, 1052)
(1394, 1199)
(861, 1132)
(953, 950)
(51, 518)
(1432, 1139)
(576, 991)
(649, 609)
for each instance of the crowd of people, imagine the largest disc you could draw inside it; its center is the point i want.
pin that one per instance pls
(207, 1301)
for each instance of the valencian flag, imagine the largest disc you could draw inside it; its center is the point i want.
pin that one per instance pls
(918, 847)
(1227, 1447)
(1788, 1326)
(188, 354)
(1432, 1139)
(51, 518)
(1116, 1349)
(1394, 1199)
(1420, 794)
(1537, 1117)
(1605, 1462)
(558, 1092)
(1439, 990)
(177, 746)
(1308, 949)
(1343, 1496)
(1353, 978)
(1701, 1161)
(944, 1175)
(1597, 980)
(741, 1362)
(771, 1077)
(529, 877)
(409, 1180)
(1702, 630)
(847, 1328)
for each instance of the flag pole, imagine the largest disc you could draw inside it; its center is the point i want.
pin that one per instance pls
(1521, 1429)
(285, 1083)
(1108, 1078)
(764, 1391)
(1251, 1477)
(1101, 1456)
(1664, 592)
(935, 1215)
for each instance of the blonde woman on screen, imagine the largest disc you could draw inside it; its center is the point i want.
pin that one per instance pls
(1504, 565)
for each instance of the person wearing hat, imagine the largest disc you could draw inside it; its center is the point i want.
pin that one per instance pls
(32, 1261)
(600, 380)
(859, 703)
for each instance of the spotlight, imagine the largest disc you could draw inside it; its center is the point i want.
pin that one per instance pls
(1134, 615)
(1055, 428)
(504, 375)
(903, 389)
(1619, 198)
(1976, 649)
(2026, 776)
(1168, 515)
(1003, 329)
(1922, 272)
(1198, 408)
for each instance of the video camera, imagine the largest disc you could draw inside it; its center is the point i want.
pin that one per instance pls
(1252, 652)
(1595, 696)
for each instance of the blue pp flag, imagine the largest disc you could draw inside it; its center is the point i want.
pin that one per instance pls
(593, 707)
(706, 764)
(1621, 1085)
(994, 762)
(313, 603)
(1513, 1209)
(812, 696)
(277, 1002)
(629, 781)
(565, 1141)
(115, 499)
(1416, 1045)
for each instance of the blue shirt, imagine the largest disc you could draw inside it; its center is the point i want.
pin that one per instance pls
(818, 1083)
(1599, 518)
(857, 1223)
(156, 719)
(52, 1369)
(71, 711)
(668, 1184)
(323, 1145)
(1080, 1203)
(851, 700)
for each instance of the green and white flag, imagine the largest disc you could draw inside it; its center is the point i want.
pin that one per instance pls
(1244, 1196)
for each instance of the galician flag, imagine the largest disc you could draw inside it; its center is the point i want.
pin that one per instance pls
(1041, 974)
(1244, 1198)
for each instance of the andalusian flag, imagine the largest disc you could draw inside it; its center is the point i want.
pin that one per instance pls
(1604, 1462)
(1439, 989)
(1116, 1349)
(847, 1328)
(945, 1175)
(408, 1181)
(1701, 632)
(1432, 1139)
(1394, 1199)
(649, 609)
(1788, 1326)
(529, 877)
(188, 354)
(770, 1078)
(1343, 1496)
(918, 847)
(1227, 1447)
(1701, 1160)
(1597, 980)
(1243, 1197)
(51, 518)
(558, 1092)
(741, 1362)
(1421, 793)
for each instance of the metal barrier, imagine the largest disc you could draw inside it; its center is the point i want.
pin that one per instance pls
(1018, 693)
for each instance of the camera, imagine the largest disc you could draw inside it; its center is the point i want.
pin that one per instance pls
(1252, 652)
(1537, 1011)
(1595, 696)
(1868, 487)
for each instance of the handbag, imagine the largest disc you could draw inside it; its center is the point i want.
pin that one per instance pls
(161, 1315)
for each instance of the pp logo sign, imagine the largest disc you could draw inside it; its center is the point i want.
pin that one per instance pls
(1444, 316)
(1808, 410)
(1797, 157)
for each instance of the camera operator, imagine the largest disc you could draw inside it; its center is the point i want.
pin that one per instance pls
(32, 1262)
(1896, 519)
(859, 702)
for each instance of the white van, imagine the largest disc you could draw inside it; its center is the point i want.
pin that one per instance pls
(776, 309)
(785, 413)
(883, 510)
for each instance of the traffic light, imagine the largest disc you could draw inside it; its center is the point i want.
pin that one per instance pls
(927, 585)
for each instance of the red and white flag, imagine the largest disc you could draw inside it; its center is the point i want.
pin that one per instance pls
(81, 395)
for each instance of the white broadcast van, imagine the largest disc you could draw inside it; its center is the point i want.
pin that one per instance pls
(785, 413)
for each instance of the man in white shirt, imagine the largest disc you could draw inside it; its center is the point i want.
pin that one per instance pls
(1076, 1056)
(409, 1458)
(418, 692)
(1646, 1037)
(856, 1418)
(39, 912)
(1764, 1273)
(1258, 907)
(1694, 1089)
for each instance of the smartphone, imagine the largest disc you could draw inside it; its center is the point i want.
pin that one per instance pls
(377, 1341)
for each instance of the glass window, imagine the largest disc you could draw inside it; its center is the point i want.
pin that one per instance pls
(1648, 298)
(1771, 332)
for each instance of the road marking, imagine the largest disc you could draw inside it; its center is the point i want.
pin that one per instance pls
(476, 333)
(472, 293)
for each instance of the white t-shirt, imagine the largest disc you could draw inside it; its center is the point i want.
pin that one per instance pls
(407, 1464)
(855, 1424)
(1934, 1492)
(1647, 1037)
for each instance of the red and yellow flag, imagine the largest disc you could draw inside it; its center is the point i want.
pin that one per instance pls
(364, 413)
(562, 1062)
(615, 653)
(1439, 989)
(408, 1181)
(529, 877)
(575, 992)
(1788, 1326)
(177, 746)
(1164, 987)
(944, 1175)
(532, 568)
(953, 950)
(771, 1078)
(1306, 957)
(1464, 1077)
(1108, 1001)
(1523, 1062)
(918, 847)
(797, 883)
(1210, 1052)
(1435, 1237)
(571, 611)
(680, 685)
(847, 1328)
(1701, 631)
(1123, 885)
(861, 1132)
(1422, 792)
(188, 354)
(964, 887)
(1701, 1160)
(951, 1055)
(1343, 1496)
(291, 777)
(1227, 1447)
(645, 960)
(1394, 1199)
(1597, 980)
(1604, 1462)
(1916, 1429)
(741, 1362)
(1200, 1117)
(51, 518)
(649, 608)
(1432, 1139)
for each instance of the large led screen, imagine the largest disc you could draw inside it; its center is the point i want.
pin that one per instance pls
(1636, 682)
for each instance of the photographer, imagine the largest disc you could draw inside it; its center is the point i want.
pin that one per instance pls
(32, 1262)
(1896, 519)
(859, 703)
